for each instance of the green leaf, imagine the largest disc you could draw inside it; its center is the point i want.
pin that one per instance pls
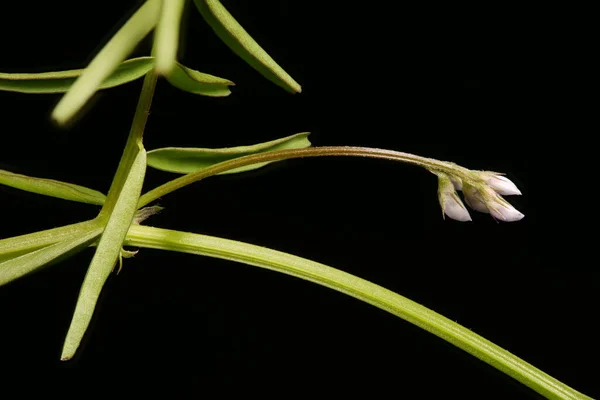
(166, 39)
(22, 265)
(23, 244)
(180, 76)
(196, 82)
(61, 81)
(106, 255)
(50, 187)
(452, 332)
(238, 40)
(107, 60)
(188, 160)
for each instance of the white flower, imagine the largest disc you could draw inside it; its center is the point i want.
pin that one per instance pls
(502, 184)
(482, 192)
(454, 208)
(474, 201)
(450, 203)
(505, 212)
(485, 199)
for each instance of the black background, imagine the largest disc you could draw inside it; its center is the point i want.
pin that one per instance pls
(443, 82)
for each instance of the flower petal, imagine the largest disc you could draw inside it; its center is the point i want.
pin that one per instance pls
(505, 212)
(455, 209)
(450, 203)
(475, 203)
(503, 185)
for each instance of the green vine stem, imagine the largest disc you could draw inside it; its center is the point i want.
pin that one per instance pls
(429, 163)
(463, 338)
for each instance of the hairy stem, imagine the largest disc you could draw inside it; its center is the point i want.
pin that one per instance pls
(429, 163)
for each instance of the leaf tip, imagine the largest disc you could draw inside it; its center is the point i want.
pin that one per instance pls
(59, 115)
(65, 119)
(67, 353)
(296, 88)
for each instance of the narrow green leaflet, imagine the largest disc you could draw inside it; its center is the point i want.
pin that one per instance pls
(180, 76)
(107, 60)
(238, 40)
(50, 187)
(61, 81)
(187, 160)
(463, 338)
(196, 82)
(19, 245)
(106, 255)
(133, 145)
(166, 40)
(22, 265)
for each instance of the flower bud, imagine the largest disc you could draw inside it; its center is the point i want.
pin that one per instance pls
(502, 184)
(450, 203)
(485, 199)
(504, 211)
(474, 199)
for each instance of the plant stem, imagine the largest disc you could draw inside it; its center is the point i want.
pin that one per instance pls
(133, 145)
(463, 338)
(429, 163)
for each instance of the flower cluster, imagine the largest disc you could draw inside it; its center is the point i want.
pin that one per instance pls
(482, 191)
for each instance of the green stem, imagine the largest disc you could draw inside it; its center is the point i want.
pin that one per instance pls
(133, 145)
(144, 236)
(429, 163)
